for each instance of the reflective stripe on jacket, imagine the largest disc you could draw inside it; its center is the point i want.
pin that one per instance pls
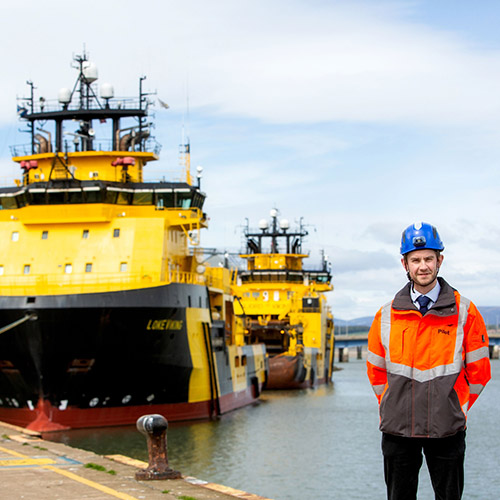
(427, 371)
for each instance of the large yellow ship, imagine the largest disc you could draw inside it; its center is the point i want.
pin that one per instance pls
(106, 312)
(284, 305)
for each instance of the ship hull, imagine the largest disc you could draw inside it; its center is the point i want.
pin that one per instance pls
(294, 372)
(102, 359)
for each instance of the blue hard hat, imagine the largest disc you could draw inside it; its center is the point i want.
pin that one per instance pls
(420, 236)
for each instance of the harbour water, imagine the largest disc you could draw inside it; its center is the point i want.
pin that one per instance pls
(309, 444)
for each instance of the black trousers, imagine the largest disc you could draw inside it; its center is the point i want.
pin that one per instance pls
(403, 459)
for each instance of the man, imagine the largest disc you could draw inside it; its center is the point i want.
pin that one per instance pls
(428, 360)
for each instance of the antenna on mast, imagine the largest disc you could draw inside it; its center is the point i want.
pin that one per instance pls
(185, 147)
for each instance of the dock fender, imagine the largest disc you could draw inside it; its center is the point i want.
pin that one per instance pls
(301, 373)
(254, 381)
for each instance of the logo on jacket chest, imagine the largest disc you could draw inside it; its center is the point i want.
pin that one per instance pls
(443, 331)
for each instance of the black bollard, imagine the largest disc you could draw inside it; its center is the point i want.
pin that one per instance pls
(154, 427)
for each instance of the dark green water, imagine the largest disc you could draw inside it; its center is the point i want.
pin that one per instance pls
(311, 444)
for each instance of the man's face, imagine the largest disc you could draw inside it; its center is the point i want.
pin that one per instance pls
(423, 266)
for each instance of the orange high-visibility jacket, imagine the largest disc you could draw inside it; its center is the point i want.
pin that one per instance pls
(427, 371)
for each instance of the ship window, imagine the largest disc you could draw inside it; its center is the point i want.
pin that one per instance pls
(143, 199)
(88, 267)
(45, 235)
(21, 200)
(256, 295)
(27, 269)
(38, 199)
(244, 360)
(7, 202)
(237, 361)
(183, 200)
(85, 234)
(276, 295)
(75, 197)
(93, 196)
(110, 197)
(1, 270)
(164, 200)
(199, 302)
(15, 236)
(246, 294)
(116, 233)
(123, 198)
(198, 200)
(189, 300)
(123, 267)
(56, 198)
(68, 268)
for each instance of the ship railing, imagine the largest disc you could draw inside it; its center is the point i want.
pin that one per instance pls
(207, 279)
(216, 282)
(310, 310)
(185, 277)
(270, 276)
(150, 145)
(47, 284)
(53, 105)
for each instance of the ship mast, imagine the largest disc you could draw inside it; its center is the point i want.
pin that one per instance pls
(276, 232)
(84, 109)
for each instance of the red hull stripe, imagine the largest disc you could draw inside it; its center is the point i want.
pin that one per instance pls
(46, 418)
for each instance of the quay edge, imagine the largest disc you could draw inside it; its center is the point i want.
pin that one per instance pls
(48, 467)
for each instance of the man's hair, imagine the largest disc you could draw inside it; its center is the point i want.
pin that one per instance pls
(438, 253)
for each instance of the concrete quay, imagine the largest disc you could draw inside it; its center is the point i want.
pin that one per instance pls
(33, 468)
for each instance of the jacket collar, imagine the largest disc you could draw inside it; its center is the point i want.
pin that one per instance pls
(445, 305)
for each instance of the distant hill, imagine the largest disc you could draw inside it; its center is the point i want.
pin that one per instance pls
(364, 321)
(491, 316)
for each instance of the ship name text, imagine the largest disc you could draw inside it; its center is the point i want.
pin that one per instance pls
(164, 324)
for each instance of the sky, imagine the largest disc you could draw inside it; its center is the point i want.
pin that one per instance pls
(359, 116)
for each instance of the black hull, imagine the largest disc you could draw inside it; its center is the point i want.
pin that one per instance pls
(106, 358)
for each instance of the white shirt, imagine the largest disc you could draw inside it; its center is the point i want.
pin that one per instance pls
(433, 295)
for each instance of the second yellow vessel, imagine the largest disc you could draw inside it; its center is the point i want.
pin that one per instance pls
(284, 305)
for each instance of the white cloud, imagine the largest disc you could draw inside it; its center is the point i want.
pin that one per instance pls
(282, 62)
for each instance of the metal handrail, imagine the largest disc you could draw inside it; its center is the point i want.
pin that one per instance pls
(86, 282)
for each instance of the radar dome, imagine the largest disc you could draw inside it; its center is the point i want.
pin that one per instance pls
(284, 224)
(273, 212)
(107, 91)
(64, 96)
(263, 224)
(89, 71)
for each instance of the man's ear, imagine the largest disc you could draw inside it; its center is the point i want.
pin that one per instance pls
(403, 263)
(440, 261)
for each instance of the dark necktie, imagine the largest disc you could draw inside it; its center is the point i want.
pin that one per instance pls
(423, 302)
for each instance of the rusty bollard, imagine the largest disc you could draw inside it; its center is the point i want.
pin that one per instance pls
(154, 427)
